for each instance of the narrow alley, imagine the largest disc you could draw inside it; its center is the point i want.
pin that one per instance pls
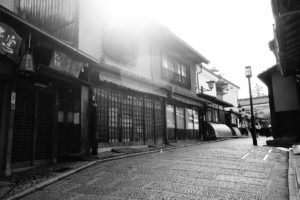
(230, 169)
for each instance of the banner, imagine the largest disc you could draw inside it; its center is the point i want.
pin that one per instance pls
(61, 62)
(10, 42)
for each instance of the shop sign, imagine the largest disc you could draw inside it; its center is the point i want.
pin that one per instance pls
(10, 42)
(64, 63)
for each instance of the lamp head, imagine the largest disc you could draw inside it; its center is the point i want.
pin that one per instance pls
(210, 84)
(248, 72)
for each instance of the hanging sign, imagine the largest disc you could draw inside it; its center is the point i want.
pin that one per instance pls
(64, 63)
(10, 42)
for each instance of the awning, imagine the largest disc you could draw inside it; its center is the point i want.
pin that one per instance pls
(219, 130)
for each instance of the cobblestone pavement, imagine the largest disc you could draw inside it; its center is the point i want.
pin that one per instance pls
(231, 169)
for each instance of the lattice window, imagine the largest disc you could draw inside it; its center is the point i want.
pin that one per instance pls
(102, 115)
(149, 119)
(138, 119)
(23, 125)
(159, 119)
(114, 117)
(127, 118)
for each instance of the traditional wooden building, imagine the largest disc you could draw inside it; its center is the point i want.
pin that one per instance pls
(221, 94)
(283, 79)
(45, 95)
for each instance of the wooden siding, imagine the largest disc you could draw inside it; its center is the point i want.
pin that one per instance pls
(60, 18)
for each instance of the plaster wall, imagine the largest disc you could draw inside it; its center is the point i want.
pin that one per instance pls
(202, 78)
(232, 95)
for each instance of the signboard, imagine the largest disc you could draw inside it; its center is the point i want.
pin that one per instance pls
(61, 62)
(10, 42)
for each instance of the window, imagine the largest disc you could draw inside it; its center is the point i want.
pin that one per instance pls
(212, 114)
(175, 71)
(180, 117)
(170, 116)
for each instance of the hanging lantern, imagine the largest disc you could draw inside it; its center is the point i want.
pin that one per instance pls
(27, 64)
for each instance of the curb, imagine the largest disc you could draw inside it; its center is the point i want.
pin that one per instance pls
(293, 178)
(71, 172)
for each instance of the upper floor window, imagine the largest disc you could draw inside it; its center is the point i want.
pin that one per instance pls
(175, 71)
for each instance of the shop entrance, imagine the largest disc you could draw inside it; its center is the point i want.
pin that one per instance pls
(33, 127)
(68, 118)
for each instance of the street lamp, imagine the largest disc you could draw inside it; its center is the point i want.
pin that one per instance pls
(210, 86)
(248, 74)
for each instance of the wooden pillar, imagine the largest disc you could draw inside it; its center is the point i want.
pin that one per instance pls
(184, 122)
(175, 122)
(84, 119)
(144, 120)
(55, 129)
(154, 123)
(12, 107)
(35, 127)
(3, 124)
(165, 124)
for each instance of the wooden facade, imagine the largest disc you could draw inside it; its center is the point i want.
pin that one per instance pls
(44, 110)
(127, 116)
(59, 18)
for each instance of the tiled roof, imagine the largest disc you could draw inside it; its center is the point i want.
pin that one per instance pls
(256, 100)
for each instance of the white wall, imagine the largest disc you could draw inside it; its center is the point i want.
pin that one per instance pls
(202, 78)
(232, 95)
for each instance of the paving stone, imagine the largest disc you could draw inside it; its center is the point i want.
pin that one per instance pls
(62, 186)
(155, 177)
(177, 188)
(249, 188)
(174, 196)
(242, 179)
(256, 175)
(131, 184)
(129, 193)
(87, 189)
(50, 195)
(81, 179)
(96, 197)
(192, 174)
(232, 172)
(245, 196)
(216, 194)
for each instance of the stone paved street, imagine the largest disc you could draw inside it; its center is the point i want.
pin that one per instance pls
(231, 169)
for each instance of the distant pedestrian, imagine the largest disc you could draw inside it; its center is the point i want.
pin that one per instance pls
(244, 128)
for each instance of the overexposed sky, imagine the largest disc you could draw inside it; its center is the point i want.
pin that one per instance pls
(231, 34)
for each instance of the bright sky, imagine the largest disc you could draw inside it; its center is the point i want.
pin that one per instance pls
(231, 34)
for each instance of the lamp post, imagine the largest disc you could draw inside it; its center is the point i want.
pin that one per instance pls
(248, 74)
